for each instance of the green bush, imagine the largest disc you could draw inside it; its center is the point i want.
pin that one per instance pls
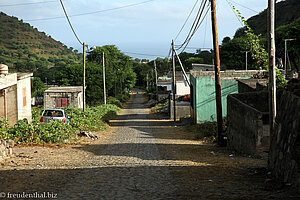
(56, 131)
(123, 97)
(114, 101)
(205, 129)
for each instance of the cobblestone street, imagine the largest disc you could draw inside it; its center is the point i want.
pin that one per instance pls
(139, 157)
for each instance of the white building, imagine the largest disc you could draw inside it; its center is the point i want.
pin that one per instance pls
(182, 87)
(15, 97)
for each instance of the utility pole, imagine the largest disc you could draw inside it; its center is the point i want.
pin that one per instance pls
(174, 81)
(104, 87)
(217, 70)
(83, 77)
(155, 69)
(272, 78)
(246, 60)
(147, 81)
(285, 53)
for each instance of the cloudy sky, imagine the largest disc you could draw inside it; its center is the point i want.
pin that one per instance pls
(145, 28)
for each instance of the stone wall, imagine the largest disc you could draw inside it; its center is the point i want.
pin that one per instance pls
(284, 156)
(247, 122)
(6, 149)
(251, 85)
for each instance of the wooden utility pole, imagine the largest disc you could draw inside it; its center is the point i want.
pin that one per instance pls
(155, 69)
(174, 81)
(104, 87)
(83, 77)
(217, 70)
(272, 78)
(285, 53)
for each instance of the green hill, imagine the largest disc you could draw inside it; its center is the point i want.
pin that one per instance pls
(24, 48)
(286, 12)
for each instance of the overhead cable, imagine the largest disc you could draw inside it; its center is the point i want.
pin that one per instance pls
(195, 29)
(231, 7)
(244, 6)
(95, 12)
(25, 4)
(196, 24)
(142, 54)
(62, 5)
(186, 20)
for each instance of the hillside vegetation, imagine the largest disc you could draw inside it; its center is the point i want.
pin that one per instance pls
(24, 48)
(286, 12)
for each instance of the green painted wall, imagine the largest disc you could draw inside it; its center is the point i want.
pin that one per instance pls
(204, 101)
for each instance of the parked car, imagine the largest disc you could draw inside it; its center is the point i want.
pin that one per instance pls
(54, 114)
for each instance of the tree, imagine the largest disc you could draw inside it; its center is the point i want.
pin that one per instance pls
(37, 87)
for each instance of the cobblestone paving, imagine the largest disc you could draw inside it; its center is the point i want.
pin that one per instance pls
(129, 167)
(140, 157)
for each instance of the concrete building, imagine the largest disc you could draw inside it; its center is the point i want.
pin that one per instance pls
(15, 97)
(182, 87)
(24, 96)
(57, 97)
(203, 101)
(203, 67)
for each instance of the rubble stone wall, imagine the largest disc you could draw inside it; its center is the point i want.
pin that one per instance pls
(245, 127)
(284, 156)
(6, 149)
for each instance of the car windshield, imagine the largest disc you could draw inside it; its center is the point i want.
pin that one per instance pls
(53, 113)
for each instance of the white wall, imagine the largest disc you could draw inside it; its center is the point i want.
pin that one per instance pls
(182, 88)
(24, 99)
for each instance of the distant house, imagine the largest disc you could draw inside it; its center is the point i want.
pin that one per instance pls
(15, 97)
(203, 101)
(182, 87)
(57, 97)
(203, 67)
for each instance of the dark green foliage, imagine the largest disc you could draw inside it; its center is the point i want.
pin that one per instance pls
(55, 131)
(205, 129)
(114, 101)
(37, 87)
(22, 46)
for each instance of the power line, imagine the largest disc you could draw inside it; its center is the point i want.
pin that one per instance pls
(196, 24)
(25, 4)
(186, 20)
(196, 20)
(142, 54)
(95, 12)
(244, 6)
(204, 38)
(231, 7)
(62, 5)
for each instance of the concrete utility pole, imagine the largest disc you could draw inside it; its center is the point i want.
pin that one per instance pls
(272, 78)
(217, 70)
(155, 69)
(246, 60)
(104, 87)
(147, 77)
(174, 81)
(285, 53)
(83, 77)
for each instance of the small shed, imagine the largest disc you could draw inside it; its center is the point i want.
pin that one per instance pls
(203, 101)
(57, 97)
